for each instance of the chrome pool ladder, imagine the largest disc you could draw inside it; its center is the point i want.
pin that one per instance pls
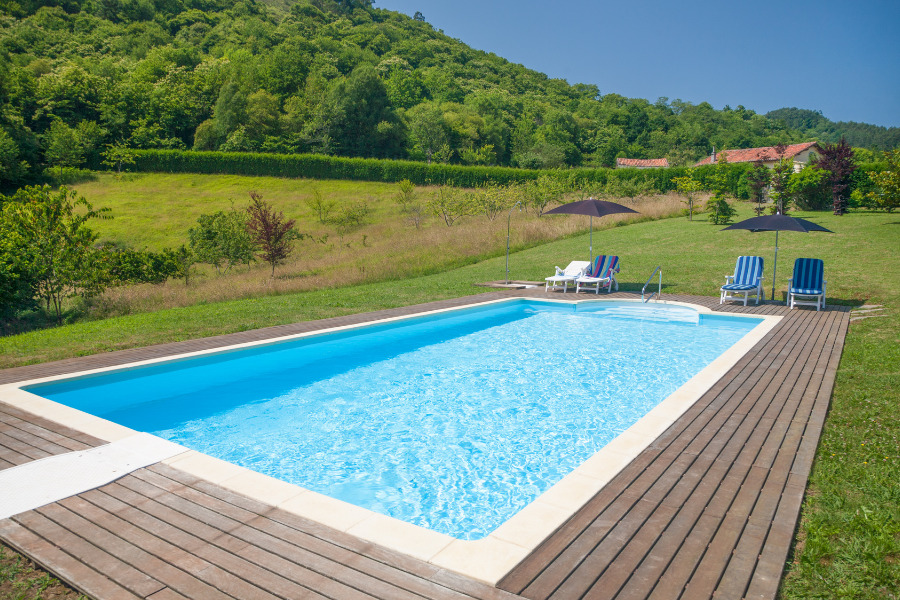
(658, 292)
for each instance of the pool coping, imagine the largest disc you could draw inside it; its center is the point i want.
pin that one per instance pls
(488, 559)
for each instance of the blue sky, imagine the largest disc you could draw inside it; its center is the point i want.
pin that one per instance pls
(841, 57)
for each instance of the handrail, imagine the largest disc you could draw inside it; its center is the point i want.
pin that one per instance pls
(657, 293)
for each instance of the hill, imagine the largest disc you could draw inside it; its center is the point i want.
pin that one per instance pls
(816, 126)
(338, 77)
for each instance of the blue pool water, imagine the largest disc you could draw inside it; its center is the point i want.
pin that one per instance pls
(453, 422)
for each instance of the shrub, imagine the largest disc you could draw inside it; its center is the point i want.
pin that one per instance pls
(809, 188)
(319, 205)
(128, 266)
(59, 176)
(221, 239)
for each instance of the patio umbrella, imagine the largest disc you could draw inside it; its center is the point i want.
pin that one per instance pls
(593, 208)
(777, 223)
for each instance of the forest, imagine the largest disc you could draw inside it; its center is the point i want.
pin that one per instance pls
(818, 127)
(333, 77)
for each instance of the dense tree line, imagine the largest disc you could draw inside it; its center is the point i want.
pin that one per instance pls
(336, 77)
(816, 126)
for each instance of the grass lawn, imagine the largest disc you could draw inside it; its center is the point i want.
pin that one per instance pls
(848, 545)
(156, 210)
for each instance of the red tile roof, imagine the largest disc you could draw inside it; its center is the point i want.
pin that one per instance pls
(642, 162)
(764, 154)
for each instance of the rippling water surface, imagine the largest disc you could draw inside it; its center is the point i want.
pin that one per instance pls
(454, 425)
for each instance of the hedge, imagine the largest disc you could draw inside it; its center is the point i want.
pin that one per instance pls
(316, 166)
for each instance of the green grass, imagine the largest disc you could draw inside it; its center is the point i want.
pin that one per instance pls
(155, 210)
(849, 541)
(848, 545)
(20, 579)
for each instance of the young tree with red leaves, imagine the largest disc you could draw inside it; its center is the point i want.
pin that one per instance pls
(273, 234)
(837, 161)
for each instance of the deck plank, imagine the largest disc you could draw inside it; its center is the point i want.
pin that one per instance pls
(757, 423)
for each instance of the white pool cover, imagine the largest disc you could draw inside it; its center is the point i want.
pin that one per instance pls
(47, 480)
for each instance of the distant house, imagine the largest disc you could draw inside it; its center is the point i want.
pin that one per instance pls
(642, 163)
(800, 153)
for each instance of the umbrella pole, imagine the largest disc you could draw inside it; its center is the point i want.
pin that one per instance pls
(775, 266)
(591, 245)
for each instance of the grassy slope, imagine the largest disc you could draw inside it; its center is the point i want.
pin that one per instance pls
(849, 542)
(156, 210)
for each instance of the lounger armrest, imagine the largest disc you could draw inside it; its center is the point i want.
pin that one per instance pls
(728, 279)
(559, 271)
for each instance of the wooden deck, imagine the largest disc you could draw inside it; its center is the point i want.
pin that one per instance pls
(707, 511)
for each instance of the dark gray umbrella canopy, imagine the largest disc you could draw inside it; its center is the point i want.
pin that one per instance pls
(777, 223)
(592, 208)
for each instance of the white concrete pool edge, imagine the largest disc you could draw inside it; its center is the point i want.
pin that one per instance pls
(488, 559)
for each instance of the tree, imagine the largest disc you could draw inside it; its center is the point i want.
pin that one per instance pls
(63, 147)
(538, 194)
(426, 124)
(55, 246)
(12, 167)
(887, 183)
(408, 202)
(808, 188)
(837, 161)
(205, 136)
(758, 178)
(405, 88)
(273, 234)
(781, 180)
(450, 204)
(363, 122)
(720, 212)
(118, 156)
(17, 286)
(262, 114)
(688, 186)
(490, 200)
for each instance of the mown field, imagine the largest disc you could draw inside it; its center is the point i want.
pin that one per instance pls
(848, 544)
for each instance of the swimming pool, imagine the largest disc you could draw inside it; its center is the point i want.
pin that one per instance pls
(453, 421)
